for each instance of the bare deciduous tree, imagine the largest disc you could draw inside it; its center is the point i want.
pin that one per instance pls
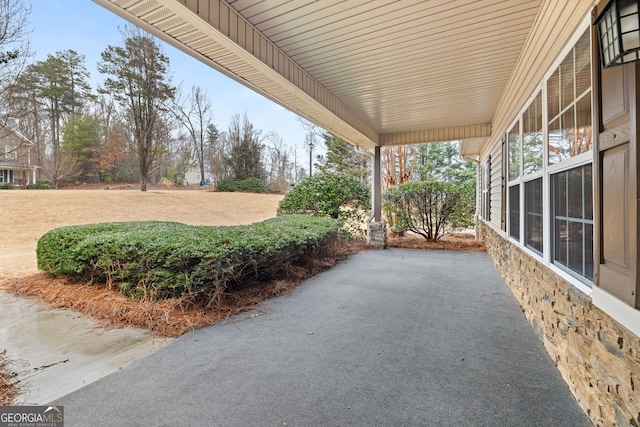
(139, 81)
(194, 113)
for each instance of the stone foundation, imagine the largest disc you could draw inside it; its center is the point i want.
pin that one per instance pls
(598, 358)
(377, 235)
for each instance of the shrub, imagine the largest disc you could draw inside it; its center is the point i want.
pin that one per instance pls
(280, 186)
(248, 185)
(166, 259)
(330, 194)
(40, 185)
(427, 207)
(4, 186)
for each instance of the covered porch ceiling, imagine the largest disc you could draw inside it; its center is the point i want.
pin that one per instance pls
(375, 72)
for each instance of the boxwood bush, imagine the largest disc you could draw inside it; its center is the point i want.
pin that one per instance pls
(248, 185)
(167, 259)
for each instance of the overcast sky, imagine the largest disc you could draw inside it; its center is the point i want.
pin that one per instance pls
(85, 27)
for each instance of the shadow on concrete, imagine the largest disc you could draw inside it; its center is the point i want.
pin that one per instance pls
(394, 337)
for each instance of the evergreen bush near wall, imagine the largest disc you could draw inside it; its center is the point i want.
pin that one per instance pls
(330, 194)
(167, 259)
(428, 207)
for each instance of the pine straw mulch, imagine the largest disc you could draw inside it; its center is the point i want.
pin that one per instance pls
(8, 381)
(463, 241)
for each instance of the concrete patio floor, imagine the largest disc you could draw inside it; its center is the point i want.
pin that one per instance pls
(394, 337)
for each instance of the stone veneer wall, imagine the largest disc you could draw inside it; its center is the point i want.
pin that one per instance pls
(377, 235)
(598, 358)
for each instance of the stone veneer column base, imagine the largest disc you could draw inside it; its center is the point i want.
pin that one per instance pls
(597, 357)
(377, 235)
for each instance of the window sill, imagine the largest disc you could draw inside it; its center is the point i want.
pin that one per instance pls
(624, 314)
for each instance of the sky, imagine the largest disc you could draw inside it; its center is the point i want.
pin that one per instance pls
(87, 28)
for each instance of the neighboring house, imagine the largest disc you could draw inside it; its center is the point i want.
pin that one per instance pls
(521, 84)
(193, 176)
(16, 168)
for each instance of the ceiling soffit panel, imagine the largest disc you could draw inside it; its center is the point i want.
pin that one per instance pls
(220, 37)
(404, 67)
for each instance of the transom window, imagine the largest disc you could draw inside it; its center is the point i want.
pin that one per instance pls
(569, 104)
(532, 147)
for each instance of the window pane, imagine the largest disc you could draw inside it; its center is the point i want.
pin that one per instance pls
(533, 214)
(560, 193)
(560, 241)
(588, 254)
(561, 137)
(583, 131)
(572, 215)
(532, 136)
(588, 192)
(574, 193)
(514, 152)
(574, 242)
(583, 65)
(514, 212)
(567, 75)
(553, 94)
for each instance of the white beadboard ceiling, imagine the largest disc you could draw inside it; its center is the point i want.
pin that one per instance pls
(375, 72)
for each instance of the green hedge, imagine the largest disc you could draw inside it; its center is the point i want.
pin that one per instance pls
(167, 259)
(248, 185)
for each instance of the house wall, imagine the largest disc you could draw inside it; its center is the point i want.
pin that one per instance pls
(588, 326)
(14, 159)
(598, 358)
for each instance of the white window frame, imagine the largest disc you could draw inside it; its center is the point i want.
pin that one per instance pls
(547, 171)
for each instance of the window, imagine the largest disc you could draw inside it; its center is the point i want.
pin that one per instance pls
(10, 152)
(572, 221)
(549, 200)
(532, 137)
(486, 190)
(6, 176)
(533, 224)
(514, 211)
(569, 104)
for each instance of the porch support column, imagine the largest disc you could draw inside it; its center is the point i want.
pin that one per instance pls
(376, 191)
(376, 227)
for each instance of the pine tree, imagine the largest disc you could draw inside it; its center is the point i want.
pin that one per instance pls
(343, 157)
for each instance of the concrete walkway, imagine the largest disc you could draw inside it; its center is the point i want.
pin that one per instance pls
(388, 338)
